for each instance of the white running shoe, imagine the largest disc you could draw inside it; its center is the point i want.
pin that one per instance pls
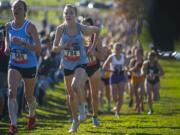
(116, 114)
(74, 126)
(151, 111)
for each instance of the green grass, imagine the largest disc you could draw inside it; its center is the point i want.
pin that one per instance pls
(177, 46)
(145, 38)
(53, 118)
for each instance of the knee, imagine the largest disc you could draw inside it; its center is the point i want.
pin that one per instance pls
(77, 85)
(11, 93)
(101, 93)
(74, 86)
(149, 98)
(94, 99)
(71, 97)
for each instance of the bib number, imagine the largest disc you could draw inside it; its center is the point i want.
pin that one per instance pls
(72, 54)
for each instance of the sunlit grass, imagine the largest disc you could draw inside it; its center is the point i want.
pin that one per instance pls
(53, 118)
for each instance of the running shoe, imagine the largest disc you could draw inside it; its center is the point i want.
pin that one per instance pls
(74, 126)
(150, 111)
(31, 122)
(114, 108)
(95, 122)
(116, 114)
(12, 130)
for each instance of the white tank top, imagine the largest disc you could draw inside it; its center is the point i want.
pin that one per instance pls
(117, 65)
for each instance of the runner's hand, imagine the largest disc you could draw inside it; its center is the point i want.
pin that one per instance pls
(7, 51)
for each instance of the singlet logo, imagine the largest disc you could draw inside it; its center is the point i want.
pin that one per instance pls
(20, 38)
(19, 57)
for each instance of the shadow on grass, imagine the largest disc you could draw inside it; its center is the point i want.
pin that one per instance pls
(146, 134)
(103, 133)
(169, 100)
(54, 114)
(118, 133)
(55, 107)
(151, 127)
(168, 113)
(169, 88)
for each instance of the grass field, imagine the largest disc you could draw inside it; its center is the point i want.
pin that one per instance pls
(53, 118)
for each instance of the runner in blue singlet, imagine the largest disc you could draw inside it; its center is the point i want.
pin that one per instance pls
(69, 39)
(22, 44)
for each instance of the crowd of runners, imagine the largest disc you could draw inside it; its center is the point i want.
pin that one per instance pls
(92, 64)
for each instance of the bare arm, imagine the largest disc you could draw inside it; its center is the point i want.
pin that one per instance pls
(99, 50)
(56, 44)
(7, 49)
(161, 71)
(132, 66)
(98, 54)
(89, 30)
(126, 67)
(32, 31)
(106, 65)
(144, 68)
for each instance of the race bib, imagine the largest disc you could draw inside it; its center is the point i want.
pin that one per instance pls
(73, 53)
(19, 57)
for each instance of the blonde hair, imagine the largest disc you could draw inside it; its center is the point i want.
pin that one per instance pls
(71, 6)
